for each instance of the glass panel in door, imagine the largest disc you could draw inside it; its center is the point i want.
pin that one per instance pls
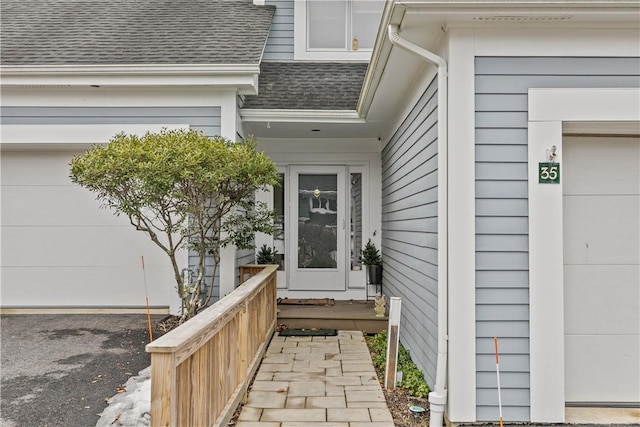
(318, 235)
(317, 221)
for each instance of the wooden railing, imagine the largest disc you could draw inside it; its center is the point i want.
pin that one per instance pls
(200, 371)
(251, 270)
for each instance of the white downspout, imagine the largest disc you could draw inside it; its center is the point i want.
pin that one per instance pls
(438, 397)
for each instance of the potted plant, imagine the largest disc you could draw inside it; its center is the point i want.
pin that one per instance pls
(266, 255)
(371, 258)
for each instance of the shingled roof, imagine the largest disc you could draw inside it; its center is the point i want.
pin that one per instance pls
(308, 85)
(95, 32)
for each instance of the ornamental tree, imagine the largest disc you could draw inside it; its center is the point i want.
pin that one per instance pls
(184, 190)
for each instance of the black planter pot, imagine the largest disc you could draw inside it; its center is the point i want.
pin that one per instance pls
(374, 272)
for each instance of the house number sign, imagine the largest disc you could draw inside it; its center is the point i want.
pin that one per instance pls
(549, 173)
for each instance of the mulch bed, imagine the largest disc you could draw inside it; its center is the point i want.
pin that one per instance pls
(399, 402)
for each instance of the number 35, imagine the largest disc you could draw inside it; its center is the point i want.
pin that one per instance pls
(547, 172)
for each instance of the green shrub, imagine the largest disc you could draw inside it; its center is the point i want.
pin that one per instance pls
(378, 348)
(266, 255)
(412, 379)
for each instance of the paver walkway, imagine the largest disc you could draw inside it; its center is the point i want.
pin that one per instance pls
(316, 381)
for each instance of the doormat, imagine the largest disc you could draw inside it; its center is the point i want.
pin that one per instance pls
(314, 332)
(306, 301)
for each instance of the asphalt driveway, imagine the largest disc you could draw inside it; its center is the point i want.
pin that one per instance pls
(58, 370)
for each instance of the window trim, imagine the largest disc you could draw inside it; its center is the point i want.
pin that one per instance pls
(300, 50)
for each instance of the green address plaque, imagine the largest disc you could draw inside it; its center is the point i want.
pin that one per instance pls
(549, 173)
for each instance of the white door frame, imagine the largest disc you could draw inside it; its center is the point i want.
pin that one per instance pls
(311, 279)
(548, 109)
(359, 156)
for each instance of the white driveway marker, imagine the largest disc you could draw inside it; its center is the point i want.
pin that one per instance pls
(146, 294)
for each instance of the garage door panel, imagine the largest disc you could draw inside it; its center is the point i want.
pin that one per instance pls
(85, 286)
(610, 382)
(614, 290)
(77, 246)
(36, 168)
(601, 166)
(601, 249)
(55, 205)
(601, 230)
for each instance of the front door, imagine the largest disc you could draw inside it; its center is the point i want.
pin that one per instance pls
(318, 228)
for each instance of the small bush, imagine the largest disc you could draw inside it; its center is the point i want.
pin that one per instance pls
(412, 379)
(266, 255)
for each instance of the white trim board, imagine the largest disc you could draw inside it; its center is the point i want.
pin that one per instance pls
(548, 109)
(461, 405)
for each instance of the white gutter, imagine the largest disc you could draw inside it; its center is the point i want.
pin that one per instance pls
(438, 397)
(132, 69)
(244, 77)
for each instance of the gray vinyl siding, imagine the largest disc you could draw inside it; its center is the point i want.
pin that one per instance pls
(502, 270)
(409, 228)
(205, 119)
(280, 41)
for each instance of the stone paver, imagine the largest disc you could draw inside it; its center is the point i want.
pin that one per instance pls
(348, 414)
(305, 414)
(266, 399)
(316, 381)
(326, 402)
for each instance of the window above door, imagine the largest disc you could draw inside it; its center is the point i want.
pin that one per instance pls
(336, 29)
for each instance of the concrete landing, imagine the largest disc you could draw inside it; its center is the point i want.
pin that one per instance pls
(319, 381)
(577, 415)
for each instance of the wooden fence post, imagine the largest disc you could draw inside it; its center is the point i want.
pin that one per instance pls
(393, 340)
(164, 390)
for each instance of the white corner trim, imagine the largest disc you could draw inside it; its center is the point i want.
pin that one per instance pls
(259, 2)
(461, 406)
(546, 317)
(227, 270)
(75, 134)
(228, 117)
(301, 116)
(548, 109)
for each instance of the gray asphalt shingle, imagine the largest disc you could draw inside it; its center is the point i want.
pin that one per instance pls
(308, 85)
(65, 32)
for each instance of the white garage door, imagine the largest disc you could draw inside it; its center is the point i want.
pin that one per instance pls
(60, 250)
(601, 203)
